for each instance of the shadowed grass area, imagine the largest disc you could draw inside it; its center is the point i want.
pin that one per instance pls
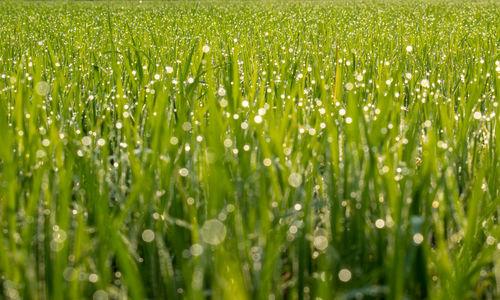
(249, 150)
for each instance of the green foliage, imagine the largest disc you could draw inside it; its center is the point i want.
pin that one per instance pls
(253, 150)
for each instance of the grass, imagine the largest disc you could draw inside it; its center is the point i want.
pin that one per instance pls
(257, 150)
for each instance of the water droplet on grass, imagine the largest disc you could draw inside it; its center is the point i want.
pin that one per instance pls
(320, 242)
(418, 238)
(267, 162)
(228, 143)
(183, 172)
(93, 278)
(213, 232)
(425, 83)
(100, 295)
(86, 140)
(380, 223)
(295, 179)
(148, 235)
(42, 88)
(221, 92)
(196, 250)
(345, 275)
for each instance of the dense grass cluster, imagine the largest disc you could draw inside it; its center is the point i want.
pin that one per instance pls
(250, 150)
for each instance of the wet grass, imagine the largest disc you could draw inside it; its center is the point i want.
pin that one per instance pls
(253, 150)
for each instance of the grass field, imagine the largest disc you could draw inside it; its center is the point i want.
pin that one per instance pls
(250, 150)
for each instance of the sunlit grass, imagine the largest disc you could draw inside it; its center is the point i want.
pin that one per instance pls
(254, 150)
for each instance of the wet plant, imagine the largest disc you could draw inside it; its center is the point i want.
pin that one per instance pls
(249, 150)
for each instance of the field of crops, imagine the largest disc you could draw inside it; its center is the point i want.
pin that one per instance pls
(250, 150)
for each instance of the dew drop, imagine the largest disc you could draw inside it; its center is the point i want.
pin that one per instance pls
(380, 223)
(320, 242)
(213, 232)
(196, 249)
(345, 275)
(418, 238)
(86, 140)
(42, 88)
(148, 235)
(295, 179)
(183, 172)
